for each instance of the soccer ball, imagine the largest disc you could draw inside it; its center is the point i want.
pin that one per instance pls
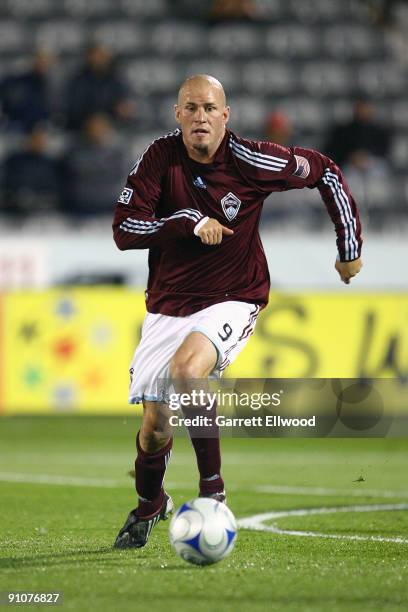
(203, 531)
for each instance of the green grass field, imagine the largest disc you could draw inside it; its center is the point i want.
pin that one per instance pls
(65, 492)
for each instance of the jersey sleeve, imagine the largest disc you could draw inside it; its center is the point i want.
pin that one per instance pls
(275, 168)
(135, 225)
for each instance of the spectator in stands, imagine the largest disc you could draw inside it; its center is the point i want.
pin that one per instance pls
(92, 169)
(278, 128)
(25, 98)
(97, 88)
(381, 12)
(30, 177)
(362, 143)
(231, 10)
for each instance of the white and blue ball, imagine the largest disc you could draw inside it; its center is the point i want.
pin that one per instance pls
(203, 531)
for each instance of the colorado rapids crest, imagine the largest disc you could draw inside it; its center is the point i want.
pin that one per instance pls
(230, 205)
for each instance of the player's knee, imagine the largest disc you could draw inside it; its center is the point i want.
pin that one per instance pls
(185, 369)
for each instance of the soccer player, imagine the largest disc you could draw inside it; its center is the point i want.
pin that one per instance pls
(194, 199)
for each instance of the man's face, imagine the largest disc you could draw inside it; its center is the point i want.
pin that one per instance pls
(202, 115)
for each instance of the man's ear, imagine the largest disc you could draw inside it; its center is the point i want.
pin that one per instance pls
(226, 114)
(177, 112)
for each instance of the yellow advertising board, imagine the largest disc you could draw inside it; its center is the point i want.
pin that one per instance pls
(69, 350)
(324, 335)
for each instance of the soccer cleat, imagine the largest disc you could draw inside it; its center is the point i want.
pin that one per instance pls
(135, 532)
(219, 497)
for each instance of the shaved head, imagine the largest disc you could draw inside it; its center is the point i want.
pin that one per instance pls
(202, 113)
(201, 80)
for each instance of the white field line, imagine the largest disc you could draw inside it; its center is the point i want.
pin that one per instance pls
(329, 492)
(55, 479)
(110, 483)
(257, 522)
(75, 481)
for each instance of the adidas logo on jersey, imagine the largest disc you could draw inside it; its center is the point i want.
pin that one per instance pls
(198, 182)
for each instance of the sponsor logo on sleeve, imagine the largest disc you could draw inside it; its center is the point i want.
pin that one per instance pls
(125, 196)
(302, 167)
(230, 205)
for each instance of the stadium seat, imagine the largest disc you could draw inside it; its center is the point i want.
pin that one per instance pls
(178, 39)
(379, 192)
(165, 106)
(340, 110)
(271, 10)
(14, 38)
(61, 36)
(326, 78)
(316, 10)
(399, 114)
(22, 9)
(141, 9)
(400, 14)
(149, 76)
(247, 113)
(268, 77)
(235, 40)
(399, 152)
(292, 41)
(352, 41)
(13, 64)
(382, 79)
(120, 36)
(10, 142)
(82, 9)
(307, 113)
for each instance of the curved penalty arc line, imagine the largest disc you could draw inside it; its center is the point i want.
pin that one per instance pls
(257, 522)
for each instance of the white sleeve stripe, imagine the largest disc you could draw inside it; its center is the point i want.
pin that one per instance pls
(343, 205)
(135, 224)
(188, 212)
(194, 215)
(351, 218)
(273, 165)
(192, 211)
(346, 225)
(149, 227)
(123, 226)
(141, 222)
(344, 195)
(255, 157)
(254, 163)
(261, 156)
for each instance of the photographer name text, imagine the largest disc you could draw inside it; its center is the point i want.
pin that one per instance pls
(270, 420)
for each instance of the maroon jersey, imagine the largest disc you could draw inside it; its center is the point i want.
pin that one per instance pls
(168, 194)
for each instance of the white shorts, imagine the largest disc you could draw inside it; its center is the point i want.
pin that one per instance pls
(228, 325)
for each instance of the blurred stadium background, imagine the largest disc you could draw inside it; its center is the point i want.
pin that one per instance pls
(301, 72)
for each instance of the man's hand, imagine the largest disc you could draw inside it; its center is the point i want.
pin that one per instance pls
(212, 232)
(348, 269)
